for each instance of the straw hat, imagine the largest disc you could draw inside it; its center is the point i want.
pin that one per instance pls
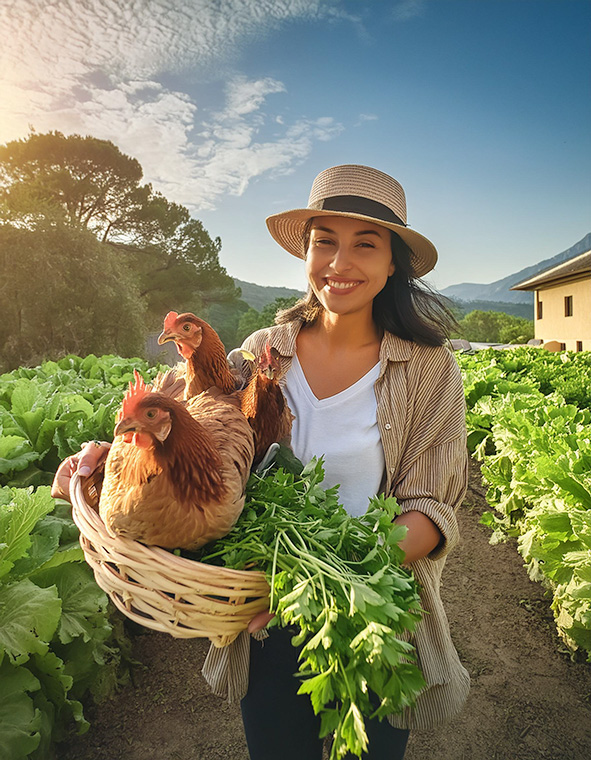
(361, 193)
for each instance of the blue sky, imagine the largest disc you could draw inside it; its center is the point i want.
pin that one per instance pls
(480, 108)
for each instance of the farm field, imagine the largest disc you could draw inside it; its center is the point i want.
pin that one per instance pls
(529, 423)
(528, 701)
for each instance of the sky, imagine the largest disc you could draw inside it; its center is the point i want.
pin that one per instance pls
(479, 108)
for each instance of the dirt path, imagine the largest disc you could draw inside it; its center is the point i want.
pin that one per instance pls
(528, 700)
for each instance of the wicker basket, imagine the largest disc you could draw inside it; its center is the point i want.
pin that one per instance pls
(159, 590)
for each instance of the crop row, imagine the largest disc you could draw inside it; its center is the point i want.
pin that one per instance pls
(535, 450)
(58, 642)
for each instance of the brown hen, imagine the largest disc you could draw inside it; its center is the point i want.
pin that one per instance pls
(264, 405)
(176, 473)
(198, 343)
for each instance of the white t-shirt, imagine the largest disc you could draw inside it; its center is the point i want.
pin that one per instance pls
(344, 430)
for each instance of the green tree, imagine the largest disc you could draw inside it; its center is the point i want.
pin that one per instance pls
(87, 183)
(495, 327)
(518, 330)
(89, 180)
(224, 318)
(181, 272)
(254, 320)
(64, 292)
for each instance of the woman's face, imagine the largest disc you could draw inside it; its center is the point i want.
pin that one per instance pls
(348, 262)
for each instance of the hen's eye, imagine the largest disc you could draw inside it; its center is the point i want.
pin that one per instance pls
(150, 414)
(186, 327)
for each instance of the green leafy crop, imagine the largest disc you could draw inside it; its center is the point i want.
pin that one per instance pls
(48, 412)
(56, 644)
(529, 422)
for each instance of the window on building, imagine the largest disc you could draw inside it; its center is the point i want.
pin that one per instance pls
(563, 346)
(568, 306)
(540, 310)
(579, 345)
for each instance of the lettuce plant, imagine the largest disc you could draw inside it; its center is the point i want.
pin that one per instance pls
(56, 642)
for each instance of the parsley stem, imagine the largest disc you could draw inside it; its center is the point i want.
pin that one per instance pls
(273, 570)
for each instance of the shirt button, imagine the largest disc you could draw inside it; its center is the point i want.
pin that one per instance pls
(387, 426)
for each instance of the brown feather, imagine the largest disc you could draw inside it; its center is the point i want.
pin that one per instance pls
(267, 412)
(208, 365)
(188, 489)
(172, 382)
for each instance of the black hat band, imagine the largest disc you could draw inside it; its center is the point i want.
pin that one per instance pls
(355, 204)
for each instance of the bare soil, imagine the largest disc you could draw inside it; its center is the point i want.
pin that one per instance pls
(529, 700)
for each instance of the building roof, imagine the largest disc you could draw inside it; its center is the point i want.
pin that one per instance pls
(578, 265)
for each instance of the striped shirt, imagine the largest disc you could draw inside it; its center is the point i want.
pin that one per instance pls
(421, 419)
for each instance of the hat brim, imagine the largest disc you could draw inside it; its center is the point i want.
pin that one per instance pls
(288, 228)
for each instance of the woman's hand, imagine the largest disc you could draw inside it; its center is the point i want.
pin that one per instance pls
(260, 621)
(89, 459)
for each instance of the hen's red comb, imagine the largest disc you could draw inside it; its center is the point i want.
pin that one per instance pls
(170, 319)
(135, 393)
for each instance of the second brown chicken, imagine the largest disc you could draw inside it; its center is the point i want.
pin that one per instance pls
(264, 405)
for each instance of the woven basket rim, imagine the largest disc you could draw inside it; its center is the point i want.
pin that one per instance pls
(81, 508)
(163, 591)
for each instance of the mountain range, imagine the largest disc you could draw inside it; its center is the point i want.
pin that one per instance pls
(258, 296)
(500, 289)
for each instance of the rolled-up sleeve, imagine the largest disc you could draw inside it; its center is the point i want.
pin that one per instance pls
(435, 485)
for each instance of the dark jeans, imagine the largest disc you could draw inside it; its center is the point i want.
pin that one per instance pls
(280, 724)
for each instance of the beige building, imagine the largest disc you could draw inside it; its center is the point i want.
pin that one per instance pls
(562, 307)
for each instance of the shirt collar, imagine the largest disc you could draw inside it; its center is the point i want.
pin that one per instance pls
(394, 349)
(285, 342)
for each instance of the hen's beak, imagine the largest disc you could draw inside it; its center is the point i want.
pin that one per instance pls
(132, 433)
(185, 344)
(126, 425)
(167, 335)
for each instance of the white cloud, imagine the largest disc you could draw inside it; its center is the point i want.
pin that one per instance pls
(137, 37)
(406, 9)
(229, 152)
(365, 117)
(245, 97)
(92, 67)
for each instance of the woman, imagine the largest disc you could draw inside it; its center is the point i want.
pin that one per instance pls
(378, 395)
(374, 391)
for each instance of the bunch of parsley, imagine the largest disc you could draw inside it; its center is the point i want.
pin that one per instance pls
(338, 580)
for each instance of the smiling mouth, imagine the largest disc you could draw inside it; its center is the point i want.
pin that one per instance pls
(340, 285)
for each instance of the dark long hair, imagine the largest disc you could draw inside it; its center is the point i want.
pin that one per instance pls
(406, 306)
